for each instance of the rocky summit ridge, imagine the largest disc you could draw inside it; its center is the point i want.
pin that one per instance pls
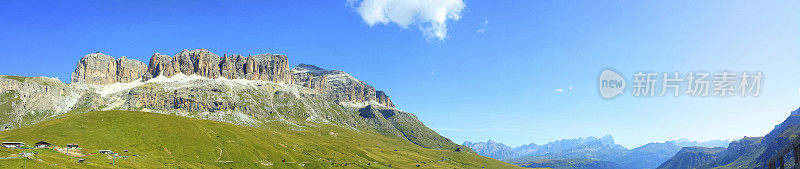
(101, 69)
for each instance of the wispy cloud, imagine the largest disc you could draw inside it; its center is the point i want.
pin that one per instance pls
(562, 91)
(484, 25)
(430, 16)
(433, 72)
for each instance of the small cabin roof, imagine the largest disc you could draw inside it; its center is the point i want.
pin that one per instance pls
(13, 143)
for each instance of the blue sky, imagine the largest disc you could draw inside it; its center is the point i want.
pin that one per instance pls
(492, 75)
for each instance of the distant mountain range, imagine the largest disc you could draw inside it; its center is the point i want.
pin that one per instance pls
(492, 149)
(590, 152)
(710, 143)
(501, 151)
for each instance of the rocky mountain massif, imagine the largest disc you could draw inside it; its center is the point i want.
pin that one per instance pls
(748, 152)
(252, 91)
(590, 152)
(100, 69)
(338, 85)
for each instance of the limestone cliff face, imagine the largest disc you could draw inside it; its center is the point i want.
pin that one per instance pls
(129, 70)
(201, 62)
(100, 69)
(268, 67)
(96, 68)
(338, 85)
(232, 67)
(161, 65)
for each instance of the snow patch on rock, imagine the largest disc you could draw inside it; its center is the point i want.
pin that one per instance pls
(361, 104)
(177, 78)
(118, 87)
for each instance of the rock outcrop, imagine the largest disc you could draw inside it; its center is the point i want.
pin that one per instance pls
(232, 67)
(383, 99)
(96, 68)
(162, 65)
(338, 85)
(129, 70)
(265, 67)
(201, 61)
(310, 80)
(100, 69)
(268, 67)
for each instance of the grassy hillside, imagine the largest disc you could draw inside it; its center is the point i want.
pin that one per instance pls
(168, 141)
(403, 125)
(692, 157)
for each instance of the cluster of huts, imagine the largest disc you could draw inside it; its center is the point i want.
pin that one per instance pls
(41, 144)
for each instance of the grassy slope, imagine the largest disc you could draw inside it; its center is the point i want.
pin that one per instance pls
(7, 99)
(173, 141)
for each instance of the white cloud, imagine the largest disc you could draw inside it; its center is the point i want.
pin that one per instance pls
(483, 28)
(433, 72)
(561, 90)
(430, 16)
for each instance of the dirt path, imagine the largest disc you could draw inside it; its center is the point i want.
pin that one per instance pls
(115, 105)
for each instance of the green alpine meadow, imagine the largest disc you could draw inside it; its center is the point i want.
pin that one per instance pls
(151, 140)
